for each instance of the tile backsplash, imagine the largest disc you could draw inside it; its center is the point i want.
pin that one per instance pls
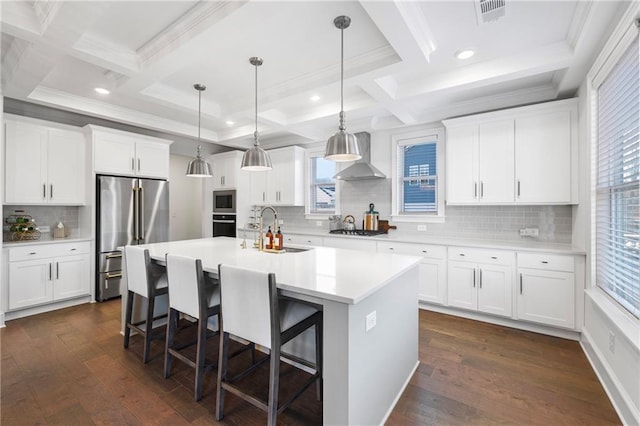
(502, 223)
(48, 216)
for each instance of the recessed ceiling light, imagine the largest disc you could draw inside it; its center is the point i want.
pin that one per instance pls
(465, 54)
(230, 123)
(102, 90)
(314, 98)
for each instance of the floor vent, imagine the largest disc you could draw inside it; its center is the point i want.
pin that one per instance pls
(490, 10)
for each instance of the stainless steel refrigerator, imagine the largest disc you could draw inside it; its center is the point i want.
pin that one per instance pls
(129, 211)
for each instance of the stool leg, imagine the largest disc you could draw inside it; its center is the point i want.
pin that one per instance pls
(127, 321)
(148, 328)
(318, 330)
(200, 356)
(172, 321)
(222, 370)
(274, 382)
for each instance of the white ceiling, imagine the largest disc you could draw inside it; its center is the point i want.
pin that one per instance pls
(400, 64)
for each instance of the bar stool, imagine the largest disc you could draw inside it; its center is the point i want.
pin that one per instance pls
(252, 310)
(145, 280)
(191, 293)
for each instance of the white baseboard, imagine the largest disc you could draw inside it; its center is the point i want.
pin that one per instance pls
(399, 395)
(628, 415)
(11, 315)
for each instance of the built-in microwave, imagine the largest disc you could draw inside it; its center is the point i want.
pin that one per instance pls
(224, 201)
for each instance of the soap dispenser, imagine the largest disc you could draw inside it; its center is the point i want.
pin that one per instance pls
(58, 231)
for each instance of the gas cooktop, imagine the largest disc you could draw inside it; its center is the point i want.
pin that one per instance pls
(356, 232)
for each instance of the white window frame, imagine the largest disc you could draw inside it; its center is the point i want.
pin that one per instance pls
(611, 54)
(310, 154)
(434, 134)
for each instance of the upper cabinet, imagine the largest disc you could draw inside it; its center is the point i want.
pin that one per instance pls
(129, 154)
(226, 167)
(44, 165)
(283, 184)
(524, 155)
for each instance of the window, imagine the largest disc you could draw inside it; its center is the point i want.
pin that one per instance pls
(322, 189)
(418, 189)
(617, 170)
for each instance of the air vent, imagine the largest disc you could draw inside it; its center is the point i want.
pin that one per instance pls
(490, 10)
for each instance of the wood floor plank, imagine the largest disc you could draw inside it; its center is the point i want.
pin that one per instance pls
(69, 367)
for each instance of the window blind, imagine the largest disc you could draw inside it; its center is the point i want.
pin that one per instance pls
(617, 209)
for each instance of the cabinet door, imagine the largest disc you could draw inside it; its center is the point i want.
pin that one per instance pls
(152, 159)
(547, 297)
(496, 162)
(225, 169)
(461, 285)
(25, 163)
(495, 285)
(433, 281)
(303, 240)
(258, 182)
(114, 154)
(543, 158)
(71, 275)
(286, 180)
(462, 164)
(66, 158)
(30, 283)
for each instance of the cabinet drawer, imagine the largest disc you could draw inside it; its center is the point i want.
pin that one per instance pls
(550, 262)
(424, 250)
(491, 257)
(306, 240)
(47, 250)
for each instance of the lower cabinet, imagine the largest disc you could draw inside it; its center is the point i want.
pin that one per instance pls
(40, 274)
(433, 268)
(546, 289)
(303, 240)
(350, 243)
(481, 280)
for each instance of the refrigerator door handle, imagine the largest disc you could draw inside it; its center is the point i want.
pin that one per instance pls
(136, 214)
(141, 213)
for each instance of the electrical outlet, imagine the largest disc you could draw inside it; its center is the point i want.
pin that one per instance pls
(371, 321)
(280, 222)
(422, 228)
(44, 229)
(318, 223)
(529, 232)
(612, 342)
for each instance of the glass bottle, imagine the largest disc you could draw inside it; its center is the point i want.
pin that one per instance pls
(268, 239)
(278, 240)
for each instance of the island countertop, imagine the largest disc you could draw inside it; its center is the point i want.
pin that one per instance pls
(346, 276)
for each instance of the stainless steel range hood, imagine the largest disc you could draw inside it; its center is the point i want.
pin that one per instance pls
(361, 169)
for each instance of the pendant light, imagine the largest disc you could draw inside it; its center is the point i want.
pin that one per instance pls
(198, 167)
(256, 159)
(342, 146)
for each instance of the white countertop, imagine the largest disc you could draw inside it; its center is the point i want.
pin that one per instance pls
(44, 240)
(346, 276)
(394, 236)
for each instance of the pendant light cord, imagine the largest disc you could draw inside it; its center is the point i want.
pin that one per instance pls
(256, 110)
(341, 68)
(199, 114)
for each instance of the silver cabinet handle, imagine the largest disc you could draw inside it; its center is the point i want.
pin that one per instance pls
(475, 189)
(50, 273)
(74, 249)
(141, 214)
(481, 189)
(33, 252)
(133, 164)
(520, 283)
(480, 278)
(111, 276)
(518, 188)
(474, 277)
(51, 192)
(138, 164)
(44, 191)
(461, 254)
(57, 270)
(263, 195)
(545, 262)
(113, 256)
(223, 221)
(136, 209)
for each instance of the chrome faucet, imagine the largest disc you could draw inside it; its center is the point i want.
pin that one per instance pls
(275, 224)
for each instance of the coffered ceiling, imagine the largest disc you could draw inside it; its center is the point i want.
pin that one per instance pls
(400, 63)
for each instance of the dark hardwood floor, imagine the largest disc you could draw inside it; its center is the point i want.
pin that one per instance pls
(69, 367)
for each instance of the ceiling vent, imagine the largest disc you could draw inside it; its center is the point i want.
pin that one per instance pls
(490, 10)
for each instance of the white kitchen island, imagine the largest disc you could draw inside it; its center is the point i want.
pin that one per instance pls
(364, 371)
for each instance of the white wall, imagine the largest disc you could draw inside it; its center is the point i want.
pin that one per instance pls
(617, 365)
(185, 207)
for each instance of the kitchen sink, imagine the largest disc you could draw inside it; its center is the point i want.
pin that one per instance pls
(296, 249)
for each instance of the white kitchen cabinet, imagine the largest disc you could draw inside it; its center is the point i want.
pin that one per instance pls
(226, 167)
(44, 273)
(543, 158)
(284, 183)
(480, 163)
(546, 289)
(44, 165)
(433, 268)
(122, 153)
(480, 280)
(350, 243)
(303, 240)
(525, 155)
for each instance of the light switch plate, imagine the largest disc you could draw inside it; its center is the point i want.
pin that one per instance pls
(371, 321)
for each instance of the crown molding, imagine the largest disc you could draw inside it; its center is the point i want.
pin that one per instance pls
(413, 17)
(578, 21)
(46, 11)
(109, 55)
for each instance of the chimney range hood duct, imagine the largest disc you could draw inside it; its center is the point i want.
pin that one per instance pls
(361, 169)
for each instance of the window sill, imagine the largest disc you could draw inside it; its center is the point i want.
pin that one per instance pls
(405, 218)
(627, 324)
